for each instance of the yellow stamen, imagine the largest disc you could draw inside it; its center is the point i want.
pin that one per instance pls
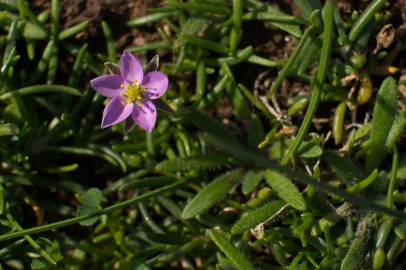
(133, 94)
(122, 85)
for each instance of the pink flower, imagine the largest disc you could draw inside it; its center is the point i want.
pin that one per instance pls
(131, 93)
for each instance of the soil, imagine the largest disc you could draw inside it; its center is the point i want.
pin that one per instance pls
(115, 12)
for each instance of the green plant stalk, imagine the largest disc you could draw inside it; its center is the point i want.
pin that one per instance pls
(201, 79)
(239, 57)
(148, 219)
(318, 82)
(394, 249)
(364, 183)
(111, 47)
(285, 70)
(43, 62)
(213, 95)
(392, 178)
(263, 16)
(159, 45)
(256, 102)
(181, 58)
(67, 33)
(97, 213)
(150, 18)
(30, 240)
(235, 34)
(26, 12)
(37, 89)
(77, 66)
(53, 61)
(383, 232)
(55, 13)
(206, 44)
(365, 18)
(204, 8)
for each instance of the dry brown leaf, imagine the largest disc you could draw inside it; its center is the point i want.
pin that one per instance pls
(385, 37)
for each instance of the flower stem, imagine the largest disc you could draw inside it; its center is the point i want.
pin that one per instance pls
(317, 83)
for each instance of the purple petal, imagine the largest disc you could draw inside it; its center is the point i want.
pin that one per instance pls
(155, 83)
(115, 112)
(145, 115)
(108, 85)
(131, 68)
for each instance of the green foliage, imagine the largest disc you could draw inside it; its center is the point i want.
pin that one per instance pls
(242, 106)
(251, 181)
(53, 248)
(397, 129)
(285, 189)
(8, 129)
(268, 12)
(364, 183)
(356, 254)
(254, 217)
(342, 167)
(211, 194)
(200, 162)
(382, 121)
(90, 201)
(235, 256)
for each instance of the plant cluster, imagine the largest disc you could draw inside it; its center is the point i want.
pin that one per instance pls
(255, 159)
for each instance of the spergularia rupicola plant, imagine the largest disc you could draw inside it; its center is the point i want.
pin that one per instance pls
(131, 93)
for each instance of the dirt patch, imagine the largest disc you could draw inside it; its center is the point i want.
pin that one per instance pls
(115, 12)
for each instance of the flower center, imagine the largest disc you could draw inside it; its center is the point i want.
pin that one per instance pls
(133, 93)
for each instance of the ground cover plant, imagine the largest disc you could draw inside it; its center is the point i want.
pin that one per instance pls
(202, 134)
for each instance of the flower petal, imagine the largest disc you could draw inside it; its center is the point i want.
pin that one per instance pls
(115, 112)
(108, 85)
(145, 115)
(155, 83)
(131, 68)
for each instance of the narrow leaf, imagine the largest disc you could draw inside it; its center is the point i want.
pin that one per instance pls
(382, 120)
(356, 254)
(199, 162)
(342, 167)
(251, 181)
(232, 253)
(39, 89)
(254, 217)
(397, 129)
(364, 183)
(286, 189)
(211, 194)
